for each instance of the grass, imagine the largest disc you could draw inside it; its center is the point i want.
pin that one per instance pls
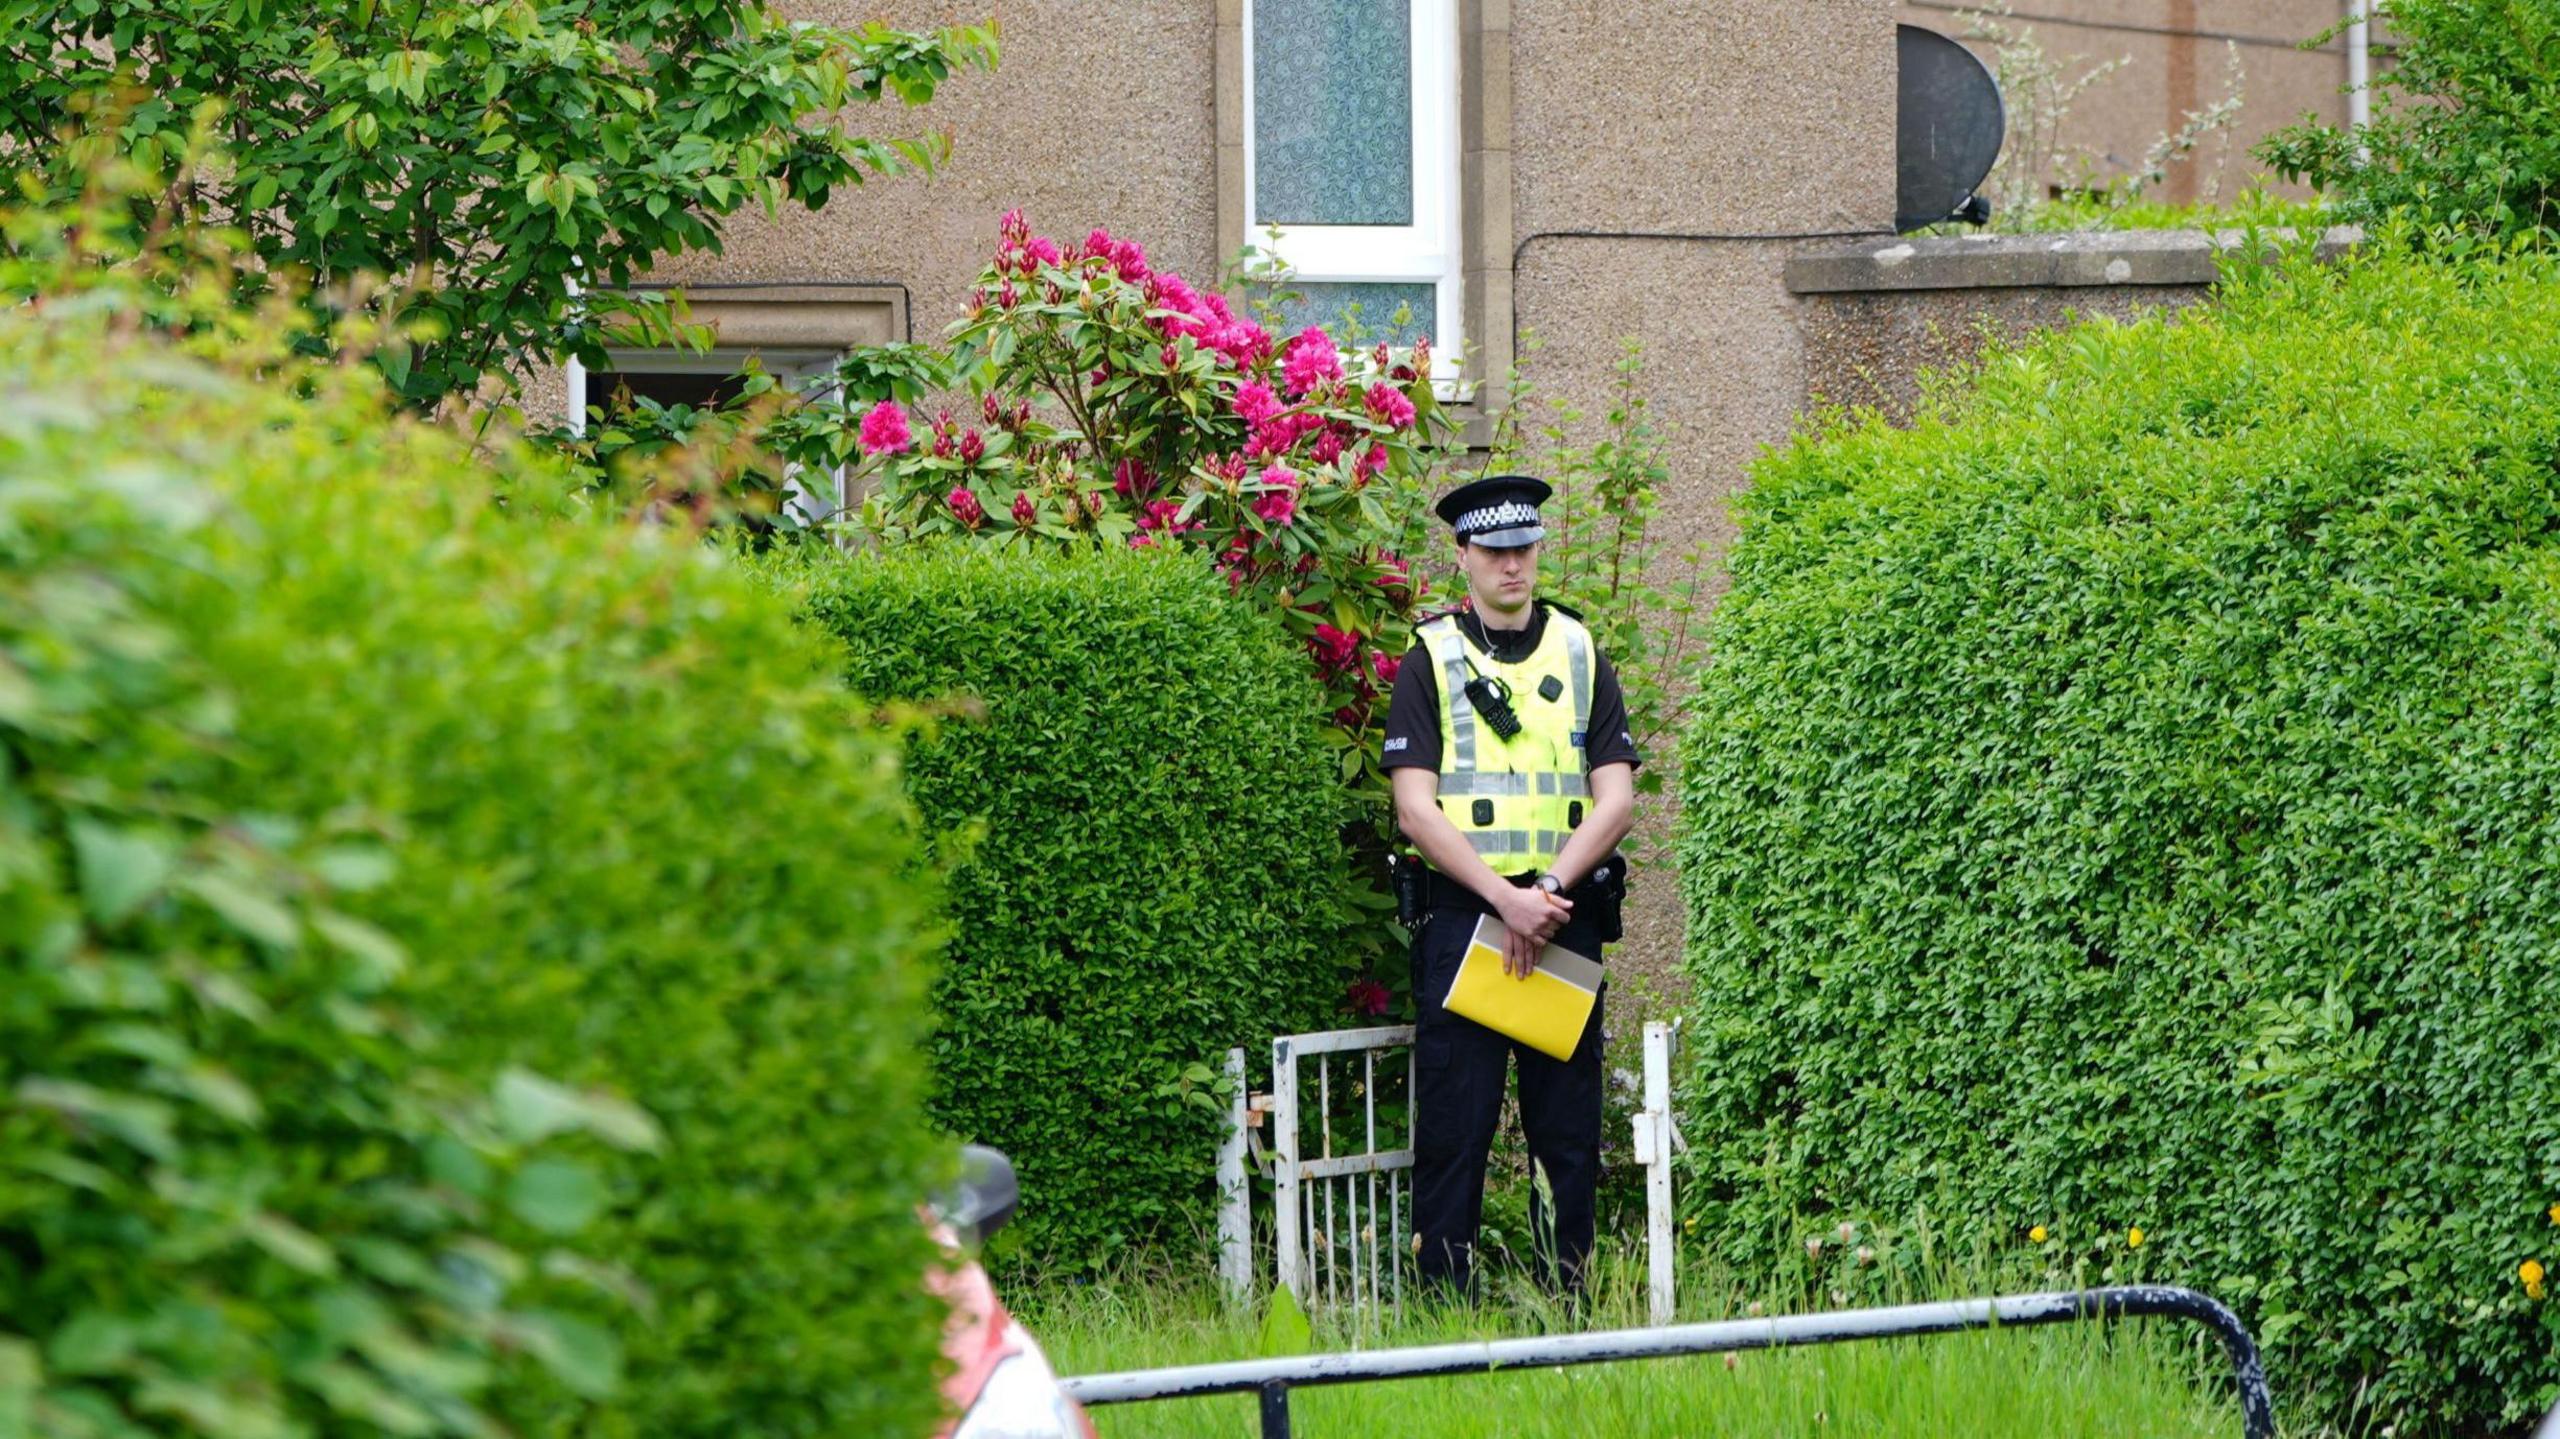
(2066, 1382)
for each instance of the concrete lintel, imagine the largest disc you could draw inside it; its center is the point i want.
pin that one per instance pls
(801, 314)
(2056, 261)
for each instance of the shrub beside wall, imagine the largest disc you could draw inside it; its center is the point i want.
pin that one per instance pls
(2126, 798)
(600, 789)
(1148, 820)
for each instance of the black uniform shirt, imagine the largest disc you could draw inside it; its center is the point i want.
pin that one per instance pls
(1413, 715)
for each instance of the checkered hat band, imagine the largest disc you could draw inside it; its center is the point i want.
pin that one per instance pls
(1508, 515)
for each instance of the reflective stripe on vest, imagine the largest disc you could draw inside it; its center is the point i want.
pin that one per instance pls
(1572, 786)
(1532, 785)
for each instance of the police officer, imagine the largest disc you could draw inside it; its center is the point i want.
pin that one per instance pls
(1514, 773)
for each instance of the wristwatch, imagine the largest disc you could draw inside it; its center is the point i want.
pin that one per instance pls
(1551, 884)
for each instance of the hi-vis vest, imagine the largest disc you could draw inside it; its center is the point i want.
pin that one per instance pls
(1515, 800)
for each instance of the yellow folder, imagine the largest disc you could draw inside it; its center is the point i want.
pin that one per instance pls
(1545, 1011)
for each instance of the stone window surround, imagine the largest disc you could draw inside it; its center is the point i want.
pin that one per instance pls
(1484, 190)
(794, 320)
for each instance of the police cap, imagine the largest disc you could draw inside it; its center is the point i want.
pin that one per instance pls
(1500, 511)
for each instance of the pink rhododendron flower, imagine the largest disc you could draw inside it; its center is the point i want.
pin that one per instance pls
(1373, 463)
(884, 430)
(1042, 249)
(1165, 515)
(1131, 259)
(1172, 292)
(1243, 342)
(1368, 997)
(1328, 446)
(1334, 649)
(1386, 665)
(1279, 507)
(1396, 579)
(965, 507)
(1131, 478)
(1025, 513)
(1255, 404)
(1310, 362)
(1388, 406)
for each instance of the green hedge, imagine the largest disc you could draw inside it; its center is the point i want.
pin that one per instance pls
(634, 844)
(2126, 798)
(1150, 827)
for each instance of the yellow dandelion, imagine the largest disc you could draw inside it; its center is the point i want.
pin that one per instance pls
(2133, 1237)
(2037, 1235)
(2530, 1272)
(2555, 1213)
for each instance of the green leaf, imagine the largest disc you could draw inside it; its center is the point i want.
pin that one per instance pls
(291, 1243)
(532, 1108)
(21, 1376)
(93, 1342)
(581, 1354)
(1285, 1330)
(119, 868)
(379, 957)
(555, 1196)
(256, 915)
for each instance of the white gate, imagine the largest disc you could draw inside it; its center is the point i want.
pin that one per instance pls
(1339, 1224)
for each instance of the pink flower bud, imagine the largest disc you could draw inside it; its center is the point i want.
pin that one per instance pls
(1025, 513)
(972, 447)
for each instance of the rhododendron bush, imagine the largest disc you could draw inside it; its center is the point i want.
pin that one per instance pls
(1116, 405)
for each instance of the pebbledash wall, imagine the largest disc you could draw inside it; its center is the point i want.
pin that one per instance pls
(1712, 177)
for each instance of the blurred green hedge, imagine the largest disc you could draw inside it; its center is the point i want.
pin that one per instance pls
(604, 795)
(2131, 797)
(1145, 828)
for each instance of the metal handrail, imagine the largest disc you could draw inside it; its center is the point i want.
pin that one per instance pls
(1272, 1379)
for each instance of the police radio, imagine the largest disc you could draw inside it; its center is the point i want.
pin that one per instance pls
(1492, 699)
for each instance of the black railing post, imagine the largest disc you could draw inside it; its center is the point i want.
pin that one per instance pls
(1275, 1410)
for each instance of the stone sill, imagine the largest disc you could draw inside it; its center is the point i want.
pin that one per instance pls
(2068, 260)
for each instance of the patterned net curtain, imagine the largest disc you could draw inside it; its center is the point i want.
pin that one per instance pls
(1335, 105)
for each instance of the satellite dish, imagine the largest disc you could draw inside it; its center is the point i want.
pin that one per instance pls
(1948, 126)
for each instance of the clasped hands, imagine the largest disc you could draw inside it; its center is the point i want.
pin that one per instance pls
(1530, 917)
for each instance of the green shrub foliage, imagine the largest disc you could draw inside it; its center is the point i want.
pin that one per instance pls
(2126, 799)
(2466, 130)
(234, 1198)
(1150, 817)
(603, 792)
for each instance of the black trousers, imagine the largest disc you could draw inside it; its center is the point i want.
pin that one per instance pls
(1459, 1068)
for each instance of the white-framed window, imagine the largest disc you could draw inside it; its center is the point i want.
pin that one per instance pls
(702, 379)
(1351, 157)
